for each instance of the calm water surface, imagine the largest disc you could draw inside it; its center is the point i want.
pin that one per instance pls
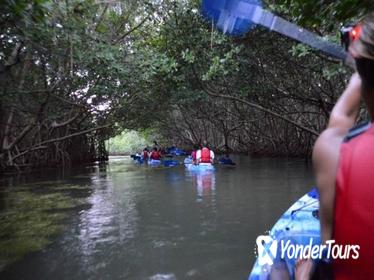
(163, 223)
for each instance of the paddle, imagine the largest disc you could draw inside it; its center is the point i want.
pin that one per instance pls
(237, 17)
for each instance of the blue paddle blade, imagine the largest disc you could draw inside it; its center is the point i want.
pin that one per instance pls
(231, 16)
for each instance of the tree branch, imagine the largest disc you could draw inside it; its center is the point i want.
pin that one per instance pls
(258, 107)
(42, 144)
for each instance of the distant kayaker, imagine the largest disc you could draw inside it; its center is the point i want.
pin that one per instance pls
(205, 155)
(193, 153)
(145, 154)
(226, 160)
(155, 155)
(162, 151)
(344, 166)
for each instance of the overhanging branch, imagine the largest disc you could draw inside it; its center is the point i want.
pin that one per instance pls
(263, 109)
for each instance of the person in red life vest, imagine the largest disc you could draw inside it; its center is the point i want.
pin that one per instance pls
(145, 154)
(155, 155)
(193, 154)
(205, 155)
(344, 166)
(162, 151)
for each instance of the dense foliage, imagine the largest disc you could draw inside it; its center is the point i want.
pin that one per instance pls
(74, 73)
(65, 66)
(130, 141)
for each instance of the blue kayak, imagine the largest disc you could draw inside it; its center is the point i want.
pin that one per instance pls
(226, 161)
(166, 163)
(299, 225)
(199, 167)
(154, 162)
(176, 151)
(170, 163)
(188, 160)
(137, 159)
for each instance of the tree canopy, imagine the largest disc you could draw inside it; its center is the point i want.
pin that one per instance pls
(74, 73)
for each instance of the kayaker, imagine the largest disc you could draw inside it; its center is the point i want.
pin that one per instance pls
(155, 155)
(162, 151)
(205, 155)
(344, 168)
(145, 154)
(226, 160)
(193, 154)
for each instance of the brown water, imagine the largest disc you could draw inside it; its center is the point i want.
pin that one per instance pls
(159, 223)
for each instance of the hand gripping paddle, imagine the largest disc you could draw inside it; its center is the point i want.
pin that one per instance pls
(237, 17)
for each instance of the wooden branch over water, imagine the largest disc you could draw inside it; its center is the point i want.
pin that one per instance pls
(42, 144)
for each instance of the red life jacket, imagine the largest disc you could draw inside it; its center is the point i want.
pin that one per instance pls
(145, 155)
(205, 155)
(193, 155)
(354, 206)
(155, 155)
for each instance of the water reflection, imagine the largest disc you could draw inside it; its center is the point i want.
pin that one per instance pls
(205, 183)
(109, 223)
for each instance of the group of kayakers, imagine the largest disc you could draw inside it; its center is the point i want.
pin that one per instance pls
(155, 154)
(200, 155)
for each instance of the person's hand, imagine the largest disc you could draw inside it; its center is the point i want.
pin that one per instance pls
(303, 269)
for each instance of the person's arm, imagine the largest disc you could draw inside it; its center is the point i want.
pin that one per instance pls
(345, 111)
(327, 148)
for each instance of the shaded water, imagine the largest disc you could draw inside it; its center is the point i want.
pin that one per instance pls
(161, 223)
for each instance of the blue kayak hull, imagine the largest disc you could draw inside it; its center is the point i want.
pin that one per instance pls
(188, 160)
(299, 225)
(199, 167)
(170, 163)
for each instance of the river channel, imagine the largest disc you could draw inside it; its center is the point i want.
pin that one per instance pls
(125, 221)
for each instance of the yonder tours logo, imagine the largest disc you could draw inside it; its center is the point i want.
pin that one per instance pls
(267, 249)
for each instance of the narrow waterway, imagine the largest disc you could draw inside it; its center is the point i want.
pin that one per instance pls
(123, 221)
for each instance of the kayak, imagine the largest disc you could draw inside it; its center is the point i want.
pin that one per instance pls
(138, 159)
(179, 152)
(154, 162)
(169, 163)
(188, 160)
(226, 161)
(135, 157)
(175, 151)
(299, 225)
(199, 167)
